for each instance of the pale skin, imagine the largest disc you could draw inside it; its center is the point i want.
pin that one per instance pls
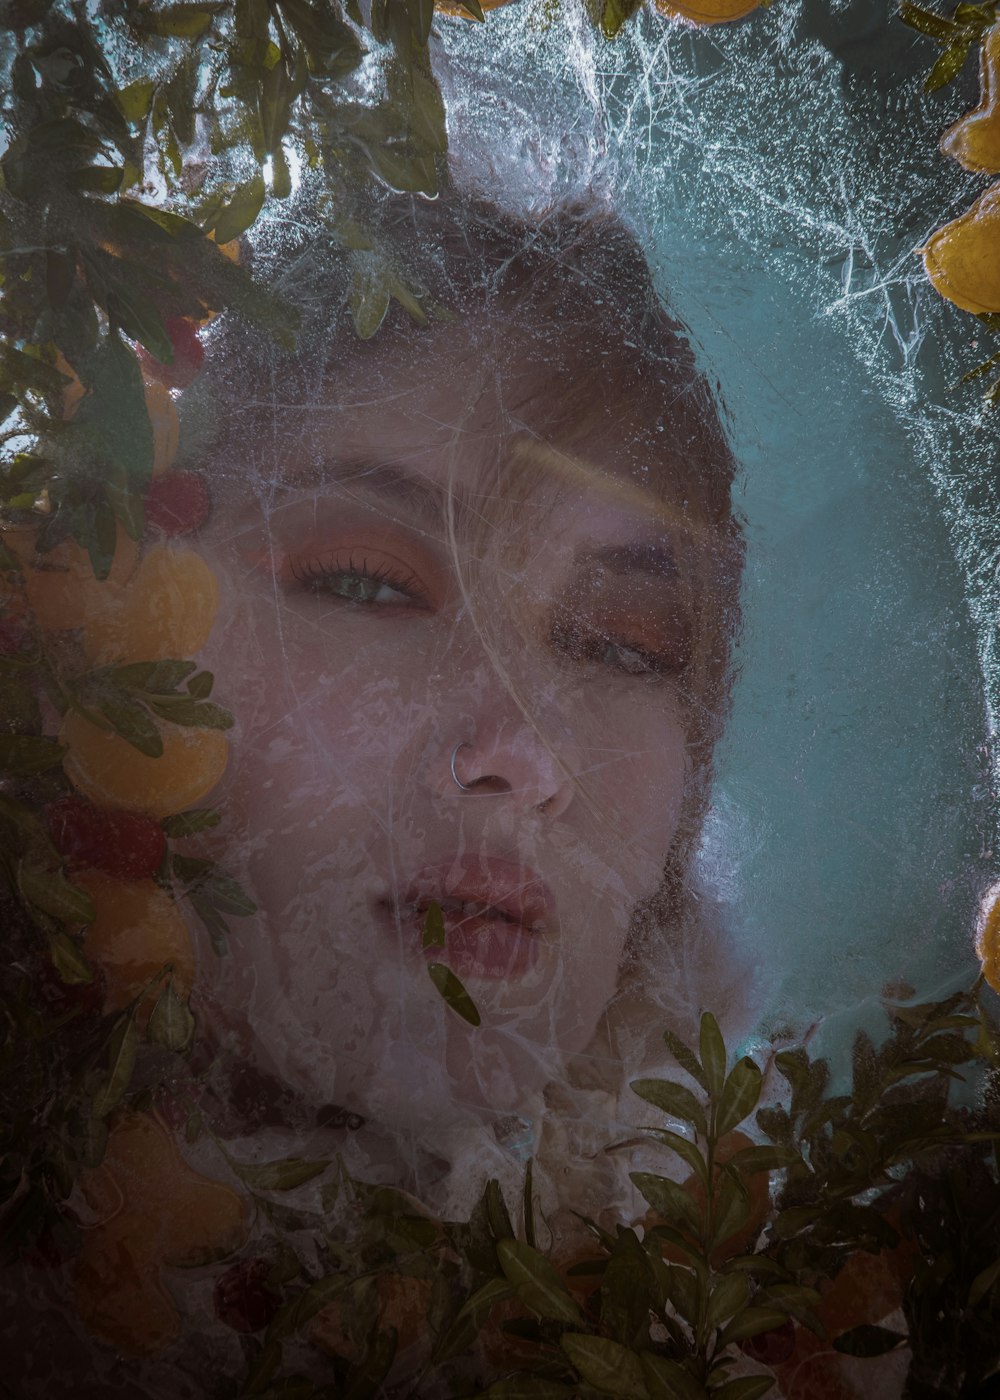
(402, 591)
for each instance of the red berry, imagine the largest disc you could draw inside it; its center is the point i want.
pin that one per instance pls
(124, 845)
(773, 1347)
(243, 1300)
(177, 502)
(189, 354)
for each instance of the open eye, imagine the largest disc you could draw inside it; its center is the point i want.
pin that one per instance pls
(369, 582)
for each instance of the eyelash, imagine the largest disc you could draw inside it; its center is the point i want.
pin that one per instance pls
(318, 577)
(581, 644)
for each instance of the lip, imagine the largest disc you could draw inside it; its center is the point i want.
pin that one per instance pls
(499, 940)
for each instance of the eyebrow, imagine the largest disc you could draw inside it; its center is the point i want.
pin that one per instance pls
(388, 479)
(654, 559)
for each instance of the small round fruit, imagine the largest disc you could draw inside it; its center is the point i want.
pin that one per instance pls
(189, 355)
(243, 1300)
(962, 259)
(177, 503)
(138, 929)
(106, 768)
(60, 586)
(707, 11)
(125, 845)
(166, 612)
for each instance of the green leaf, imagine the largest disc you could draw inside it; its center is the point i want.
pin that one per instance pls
(732, 1206)
(750, 1323)
(536, 1282)
(68, 960)
(98, 179)
(171, 1024)
(626, 1291)
(241, 211)
(468, 1323)
(157, 677)
(927, 22)
(868, 1340)
(283, 1175)
(368, 298)
(668, 1199)
(686, 1058)
(191, 823)
(133, 723)
(983, 1282)
(688, 1151)
(667, 1380)
(948, 66)
(528, 1204)
(739, 1097)
(744, 1388)
(121, 1061)
(434, 928)
(22, 756)
(751, 1160)
(183, 21)
(606, 1365)
(529, 1388)
(615, 14)
(187, 713)
(135, 99)
(454, 993)
(673, 1100)
(47, 889)
(729, 1294)
(713, 1054)
(200, 686)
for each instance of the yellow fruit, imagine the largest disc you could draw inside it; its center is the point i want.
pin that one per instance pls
(138, 929)
(706, 11)
(166, 612)
(156, 1211)
(988, 938)
(106, 768)
(962, 259)
(166, 426)
(60, 586)
(974, 140)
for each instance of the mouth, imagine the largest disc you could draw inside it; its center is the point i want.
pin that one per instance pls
(496, 915)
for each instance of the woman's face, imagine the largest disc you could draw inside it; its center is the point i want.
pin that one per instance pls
(419, 588)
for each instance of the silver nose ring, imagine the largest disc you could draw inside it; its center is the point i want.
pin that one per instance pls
(465, 787)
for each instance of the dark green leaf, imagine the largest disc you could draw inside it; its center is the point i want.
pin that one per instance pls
(732, 1206)
(21, 756)
(927, 22)
(200, 686)
(464, 1330)
(751, 1160)
(283, 1175)
(667, 1380)
(187, 713)
(739, 1097)
(983, 1282)
(948, 66)
(157, 677)
(729, 1294)
(868, 1340)
(750, 1323)
(190, 823)
(528, 1204)
(713, 1054)
(171, 1024)
(454, 993)
(668, 1199)
(686, 1058)
(673, 1100)
(121, 1061)
(744, 1388)
(182, 21)
(68, 960)
(434, 927)
(241, 211)
(135, 99)
(529, 1388)
(688, 1151)
(536, 1282)
(626, 1291)
(605, 1365)
(47, 889)
(132, 721)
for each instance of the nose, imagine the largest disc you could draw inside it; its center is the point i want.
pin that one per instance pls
(512, 761)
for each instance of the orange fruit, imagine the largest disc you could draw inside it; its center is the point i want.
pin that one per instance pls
(155, 1210)
(974, 140)
(166, 426)
(106, 768)
(137, 930)
(988, 938)
(706, 11)
(962, 259)
(166, 612)
(60, 586)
